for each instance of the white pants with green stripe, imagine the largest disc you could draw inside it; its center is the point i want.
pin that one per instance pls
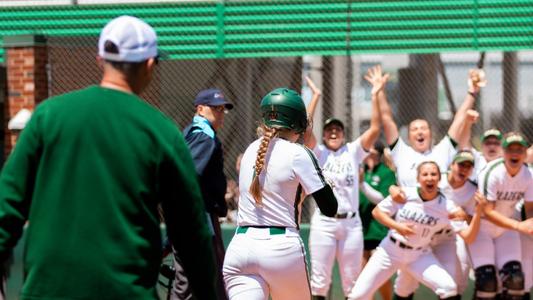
(261, 262)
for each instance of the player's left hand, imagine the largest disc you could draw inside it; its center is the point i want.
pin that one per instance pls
(481, 201)
(397, 194)
(458, 215)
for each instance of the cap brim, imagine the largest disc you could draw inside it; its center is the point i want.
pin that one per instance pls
(523, 143)
(462, 160)
(334, 122)
(227, 105)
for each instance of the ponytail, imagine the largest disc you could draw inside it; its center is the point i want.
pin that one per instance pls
(255, 187)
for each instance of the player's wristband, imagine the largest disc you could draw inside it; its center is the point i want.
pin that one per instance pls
(473, 94)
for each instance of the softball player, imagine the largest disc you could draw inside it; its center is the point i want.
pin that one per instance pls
(491, 149)
(504, 182)
(266, 256)
(449, 249)
(407, 245)
(340, 236)
(407, 157)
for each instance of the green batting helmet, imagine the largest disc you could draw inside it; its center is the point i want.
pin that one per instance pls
(284, 108)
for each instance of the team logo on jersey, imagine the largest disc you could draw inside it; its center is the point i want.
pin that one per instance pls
(417, 217)
(510, 196)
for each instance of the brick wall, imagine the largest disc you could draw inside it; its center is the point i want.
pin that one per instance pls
(27, 84)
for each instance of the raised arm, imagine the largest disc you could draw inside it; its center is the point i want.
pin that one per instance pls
(309, 137)
(459, 130)
(378, 82)
(469, 234)
(389, 126)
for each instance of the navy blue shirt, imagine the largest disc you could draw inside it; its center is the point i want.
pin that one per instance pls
(206, 151)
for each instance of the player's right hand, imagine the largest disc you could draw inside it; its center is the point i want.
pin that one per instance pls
(397, 194)
(376, 78)
(405, 229)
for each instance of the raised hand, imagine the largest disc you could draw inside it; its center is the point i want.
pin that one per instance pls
(472, 116)
(476, 80)
(376, 78)
(312, 86)
(397, 194)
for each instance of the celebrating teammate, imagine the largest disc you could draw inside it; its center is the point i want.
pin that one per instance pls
(504, 182)
(406, 157)
(266, 255)
(450, 249)
(407, 245)
(340, 236)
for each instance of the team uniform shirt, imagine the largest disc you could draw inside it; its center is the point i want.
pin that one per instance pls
(462, 196)
(342, 168)
(289, 168)
(428, 217)
(406, 159)
(479, 164)
(504, 190)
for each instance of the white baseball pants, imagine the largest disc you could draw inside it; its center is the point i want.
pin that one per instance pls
(332, 238)
(389, 257)
(258, 264)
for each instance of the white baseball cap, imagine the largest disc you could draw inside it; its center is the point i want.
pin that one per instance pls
(134, 39)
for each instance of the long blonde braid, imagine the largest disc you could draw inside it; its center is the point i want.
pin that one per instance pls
(255, 187)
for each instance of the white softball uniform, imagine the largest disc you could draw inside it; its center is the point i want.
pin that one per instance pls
(406, 159)
(448, 247)
(340, 237)
(266, 256)
(412, 254)
(495, 245)
(479, 164)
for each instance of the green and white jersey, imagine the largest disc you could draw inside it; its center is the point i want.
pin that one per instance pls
(505, 190)
(289, 168)
(406, 159)
(428, 217)
(342, 168)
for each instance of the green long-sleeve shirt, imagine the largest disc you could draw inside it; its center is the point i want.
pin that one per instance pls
(88, 173)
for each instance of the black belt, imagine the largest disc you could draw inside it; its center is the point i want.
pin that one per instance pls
(402, 245)
(346, 215)
(447, 231)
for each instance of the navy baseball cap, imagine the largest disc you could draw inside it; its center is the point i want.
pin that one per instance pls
(212, 97)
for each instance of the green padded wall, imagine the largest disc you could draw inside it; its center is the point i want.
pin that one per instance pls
(216, 29)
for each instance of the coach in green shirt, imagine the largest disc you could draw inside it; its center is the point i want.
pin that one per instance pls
(89, 172)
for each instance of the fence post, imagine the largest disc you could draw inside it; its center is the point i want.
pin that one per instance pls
(27, 81)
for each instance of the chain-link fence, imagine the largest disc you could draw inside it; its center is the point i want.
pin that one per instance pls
(421, 86)
(247, 48)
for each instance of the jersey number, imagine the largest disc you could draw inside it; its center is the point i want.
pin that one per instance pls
(425, 232)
